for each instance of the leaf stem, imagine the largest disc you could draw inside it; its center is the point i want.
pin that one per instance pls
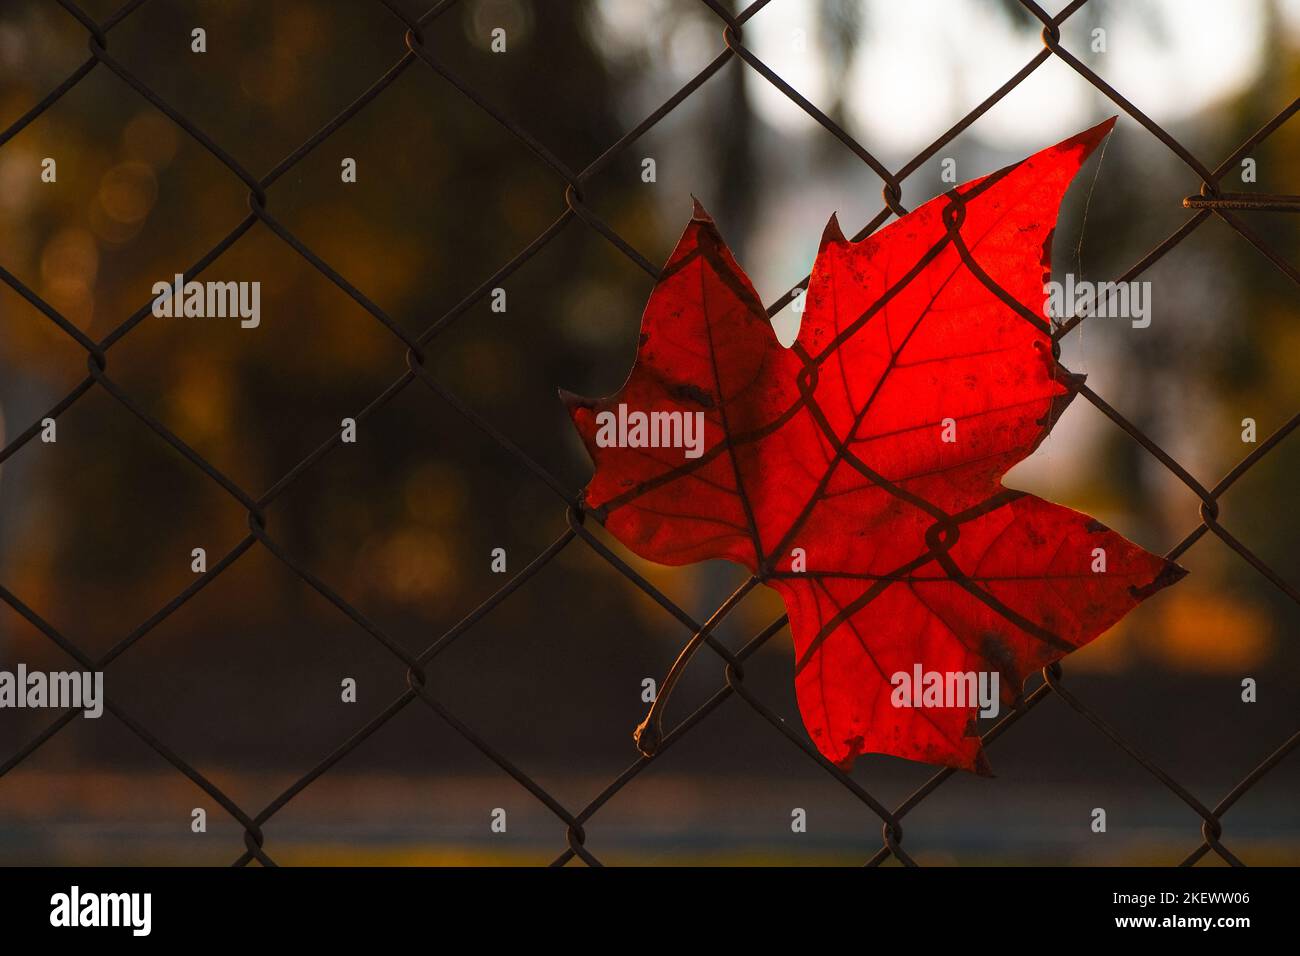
(649, 733)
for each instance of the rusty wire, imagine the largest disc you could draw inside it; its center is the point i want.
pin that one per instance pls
(1210, 202)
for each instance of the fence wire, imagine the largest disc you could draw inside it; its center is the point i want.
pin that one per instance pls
(1211, 202)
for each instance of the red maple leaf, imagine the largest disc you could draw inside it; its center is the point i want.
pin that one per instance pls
(859, 471)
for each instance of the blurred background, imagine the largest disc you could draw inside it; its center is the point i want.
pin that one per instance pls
(243, 681)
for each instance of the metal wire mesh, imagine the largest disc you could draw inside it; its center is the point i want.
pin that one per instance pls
(576, 821)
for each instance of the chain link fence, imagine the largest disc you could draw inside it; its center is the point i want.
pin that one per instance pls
(574, 823)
